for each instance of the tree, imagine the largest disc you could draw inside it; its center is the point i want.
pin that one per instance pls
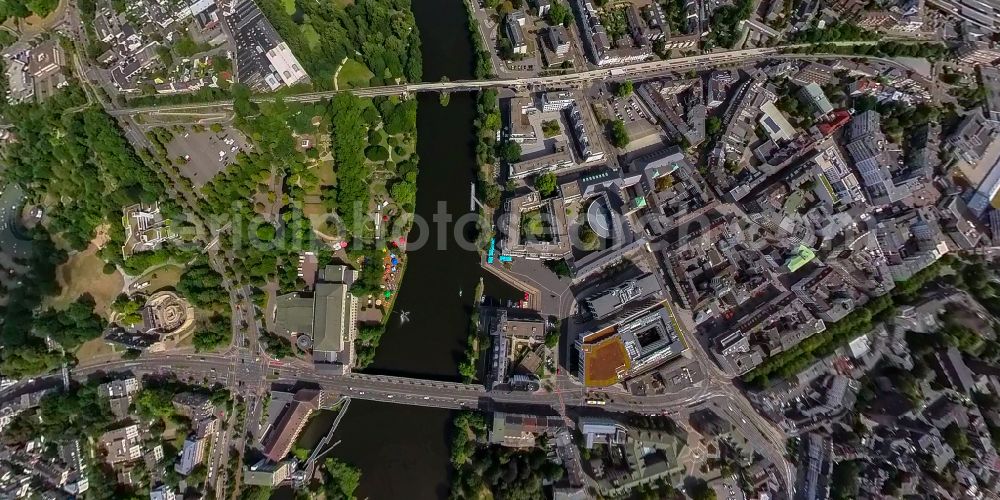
(618, 134)
(214, 333)
(341, 479)
(348, 147)
(713, 125)
(559, 13)
(366, 342)
(844, 480)
(376, 153)
(559, 267)
(202, 286)
(510, 152)
(624, 89)
(588, 238)
(546, 184)
(700, 490)
(71, 327)
(405, 193)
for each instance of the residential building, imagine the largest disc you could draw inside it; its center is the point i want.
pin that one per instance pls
(775, 124)
(192, 454)
(520, 431)
(556, 100)
(193, 405)
(515, 34)
(813, 96)
(267, 473)
(121, 445)
(558, 40)
(162, 492)
(119, 388)
(279, 439)
(598, 45)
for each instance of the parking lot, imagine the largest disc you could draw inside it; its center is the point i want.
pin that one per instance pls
(638, 121)
(207, 153)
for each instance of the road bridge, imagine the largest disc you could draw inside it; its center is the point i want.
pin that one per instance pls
(635, 70)
(388, 388)
(455, 395)
(564, 80)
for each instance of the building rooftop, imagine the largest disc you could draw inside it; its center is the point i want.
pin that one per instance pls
(605, 360)
(775, 123)
(802, 256)
(331, 320)
(281, 437)
(613, 300)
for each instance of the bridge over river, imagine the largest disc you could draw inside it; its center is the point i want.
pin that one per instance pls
(394, 389)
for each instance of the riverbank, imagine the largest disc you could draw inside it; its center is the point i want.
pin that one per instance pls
(404, 449)
(483, 62)
(477, 342)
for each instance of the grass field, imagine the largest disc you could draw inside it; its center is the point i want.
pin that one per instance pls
(95, 348)
(289, 6)
(353, 74)
(312, 37)
(83, 274)
(161, 277)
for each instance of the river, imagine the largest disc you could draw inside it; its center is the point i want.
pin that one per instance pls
(403, 450)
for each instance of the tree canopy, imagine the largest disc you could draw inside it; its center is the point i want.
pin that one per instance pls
(618, 134)
(80, 160)
(382, 33)
(546, 184)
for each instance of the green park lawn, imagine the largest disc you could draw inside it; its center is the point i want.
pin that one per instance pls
(353, 74)
(312, 37)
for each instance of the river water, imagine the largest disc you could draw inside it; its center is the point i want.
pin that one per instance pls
(403, 450)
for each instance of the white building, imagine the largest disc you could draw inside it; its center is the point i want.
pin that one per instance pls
(286, 66)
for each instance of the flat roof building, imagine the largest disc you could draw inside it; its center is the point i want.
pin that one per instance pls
(991, 84)
(614, 300)
(627, 348)
(47, 59)
(192, 454)
(285, 65)
(145, 228)
(122, 445)
(328, 314)
(519, 431)
(775, 124)
(268, 473)
(119, 388)
(812, 94)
